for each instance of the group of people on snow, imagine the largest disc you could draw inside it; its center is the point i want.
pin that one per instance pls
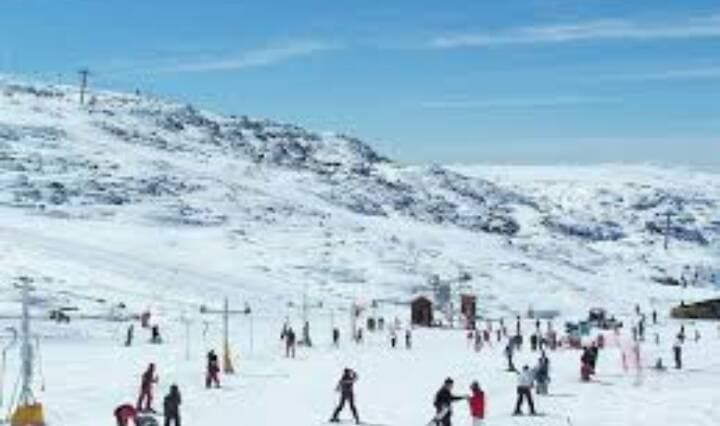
(141, 412)
(444, 398)
(535, 378)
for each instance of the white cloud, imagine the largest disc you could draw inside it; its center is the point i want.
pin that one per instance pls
(711, 73)
(617, 29)
(261, 57)
(547, 102)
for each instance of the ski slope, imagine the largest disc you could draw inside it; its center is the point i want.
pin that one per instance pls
(149, 204)
(86, 377)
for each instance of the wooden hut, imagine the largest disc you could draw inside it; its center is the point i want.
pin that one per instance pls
(422, 311)
(707, 309)
(468, 307)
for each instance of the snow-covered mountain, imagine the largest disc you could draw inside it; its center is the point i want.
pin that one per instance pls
(139, 200)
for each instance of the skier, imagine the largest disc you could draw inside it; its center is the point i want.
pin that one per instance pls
(156, 339)
(171, 406)
(336, 337)
(443, 403)
(408, 339)
(393, 338)
(345, 387)
(149, 378)
(477, 404)
(145, 319)
(306, 335)
(290, 343)
(478, 342)
(524, 391)
(213, 370)
(509, 350)
(641, 329)
(124, 414)
(594, 353)
(659, 365)
(518, 330)
(129, 335)
(585, 371)
(552, 338)
(677, 352)
(518, 339)
(654, 317)
(586, 364)
(542, 375)
(534, 342)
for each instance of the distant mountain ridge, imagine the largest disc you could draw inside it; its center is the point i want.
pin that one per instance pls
(328, 208)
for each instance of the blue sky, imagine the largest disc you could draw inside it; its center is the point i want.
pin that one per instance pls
(518, 81)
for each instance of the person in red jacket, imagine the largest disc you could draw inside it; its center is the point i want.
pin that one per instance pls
(124, 414)
(477, 404)
(146, 389)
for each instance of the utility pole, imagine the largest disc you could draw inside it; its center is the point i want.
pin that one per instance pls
(226, 312)
(27, 409)
(84, 73)
(668, 218)
(26, 349)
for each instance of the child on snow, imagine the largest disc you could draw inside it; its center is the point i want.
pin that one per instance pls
(477, 404)
(124, 414)
(171, 406)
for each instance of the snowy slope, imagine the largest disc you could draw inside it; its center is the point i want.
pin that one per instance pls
(150, 204)
(130, 196)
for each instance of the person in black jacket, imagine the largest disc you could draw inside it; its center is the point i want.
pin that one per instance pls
(336, 337)
(213, 370)
(171, 406)
(347, 394)
(443, 403)
(594, 353)
(290, 343)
